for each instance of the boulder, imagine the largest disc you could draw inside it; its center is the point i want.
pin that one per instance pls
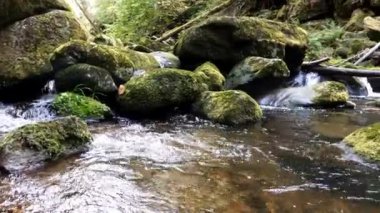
(366, 141)
(158, 90)
(372, 25)
(66, 104)
(356, 21)
(329, 93)
(304, 10)
(344, 8)
(91, 80)
(211, 75)
(257, 75)
(226, 41)
(35, 143)
(25, 47)
(15, 10)
(321, 95)
(228, 107)
(118, 61)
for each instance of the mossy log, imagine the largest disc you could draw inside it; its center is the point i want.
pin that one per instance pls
(329, 70)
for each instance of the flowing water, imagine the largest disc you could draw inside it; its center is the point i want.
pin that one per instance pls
(293, 161)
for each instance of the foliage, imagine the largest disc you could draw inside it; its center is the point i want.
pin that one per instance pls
(323, 40)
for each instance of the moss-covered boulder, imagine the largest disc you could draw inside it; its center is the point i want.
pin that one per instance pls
(330, 93)
(356, 21)
(211, 76)
(25, 47)
(366, 141)
(226, 41)
(231, 107)
(372, 25)
(43, 141)
(91, 80)
(159, 90)
(15, 10)
(257, 75)
(66, 104)
(344, 8)
(119, 62)
(304, 10)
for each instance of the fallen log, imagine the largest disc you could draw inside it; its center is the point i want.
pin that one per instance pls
(329, 70)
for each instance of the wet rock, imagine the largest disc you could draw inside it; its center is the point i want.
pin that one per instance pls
(91, 80)
(366, 141)
(158, 90)
(257, 75)
(330, 93)
(166, 59)
(15, 10)
(66, 104)
(226, 41)
(228, 107)
(211, 75)
(34, 143)
(25, 47)
(119, 62)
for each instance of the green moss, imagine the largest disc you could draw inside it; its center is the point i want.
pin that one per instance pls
(330, 93)
(228, 107)
(26, 45)
(366, 141)
(211, 76)
(160, 89)
(118, 61)
(253, 68)
(52, 138)
(81, 106)
(303, 10)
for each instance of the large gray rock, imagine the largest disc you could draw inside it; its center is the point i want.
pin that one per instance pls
(25, 47)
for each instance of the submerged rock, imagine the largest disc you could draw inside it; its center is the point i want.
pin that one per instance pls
(226, 41)
(25, 47)
(228, 107)
(119, 62)
(255, 74)
(158, 90)
(15, 10)
(91, 80)
(366, 141)
(68, 103)
(33, 143)
(211, 75)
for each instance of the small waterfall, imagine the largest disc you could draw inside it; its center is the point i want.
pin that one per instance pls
(49, 88)
(299, 93)
(364, 82)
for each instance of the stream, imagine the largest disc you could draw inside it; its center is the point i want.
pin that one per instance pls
(293, 161)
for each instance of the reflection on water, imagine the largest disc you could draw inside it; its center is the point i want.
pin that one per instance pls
(292, 162)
